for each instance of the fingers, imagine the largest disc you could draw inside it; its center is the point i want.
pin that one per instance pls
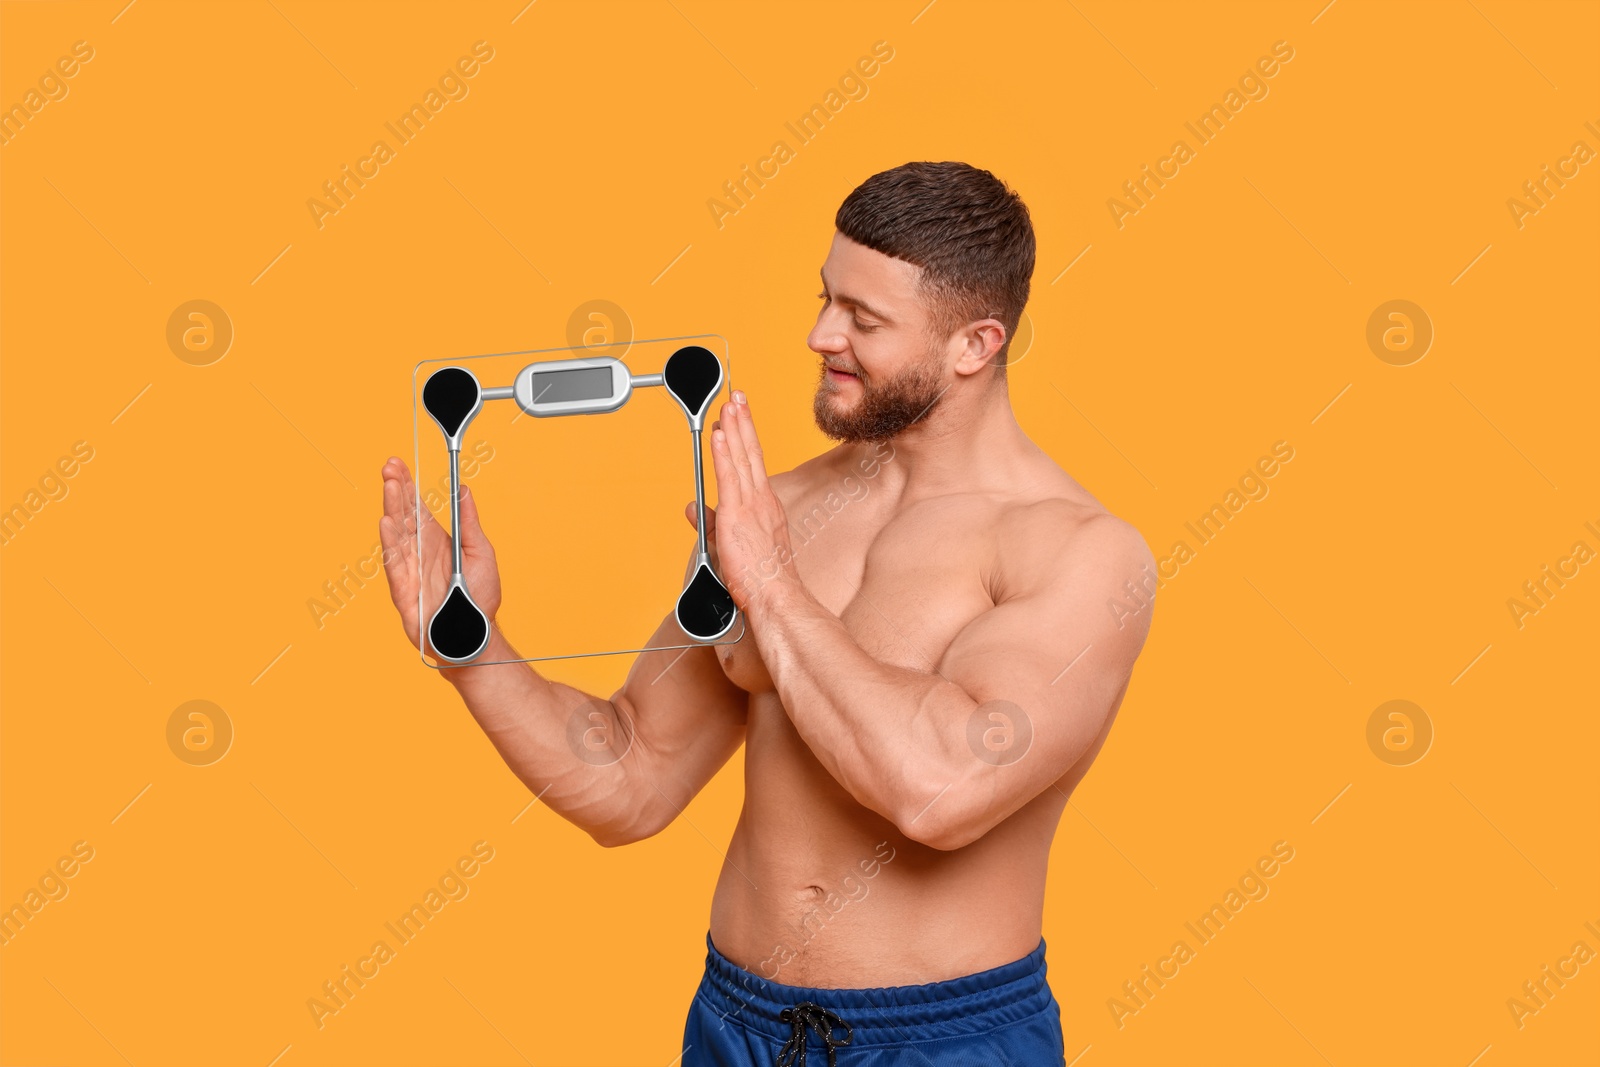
(394, 531)
(730, 493)
(395, 479)
(745, 428)
(396, 550)
(400, 503)
(400, 498)
(399, 547)
(408, 548)
(691, 513)
(732, 434)
(473, 540)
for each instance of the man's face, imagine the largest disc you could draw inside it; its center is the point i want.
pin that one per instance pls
(881, 369)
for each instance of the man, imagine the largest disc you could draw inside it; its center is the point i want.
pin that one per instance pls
(930, 667)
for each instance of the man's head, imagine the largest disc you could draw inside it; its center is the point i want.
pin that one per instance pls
(923, 287)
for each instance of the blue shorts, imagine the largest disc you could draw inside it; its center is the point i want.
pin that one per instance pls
(1003, 1017)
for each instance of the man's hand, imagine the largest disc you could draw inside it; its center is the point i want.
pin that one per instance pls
(397, 530)
(751, 529)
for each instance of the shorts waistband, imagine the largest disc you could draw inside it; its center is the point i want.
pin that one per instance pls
(972, 1003)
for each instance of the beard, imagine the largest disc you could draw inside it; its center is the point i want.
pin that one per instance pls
(885, 408)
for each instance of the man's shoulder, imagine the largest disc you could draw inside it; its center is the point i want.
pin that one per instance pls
(1062, 532)
(1066, 520)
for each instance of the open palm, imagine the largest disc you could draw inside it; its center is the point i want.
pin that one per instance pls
(403, 548)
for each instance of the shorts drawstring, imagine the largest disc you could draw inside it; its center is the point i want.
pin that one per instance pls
(793, 1053)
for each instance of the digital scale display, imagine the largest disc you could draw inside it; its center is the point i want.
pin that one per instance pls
(561, 386)
(573, 387)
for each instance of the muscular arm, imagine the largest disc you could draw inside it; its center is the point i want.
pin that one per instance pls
(1048, 662)
(1018, 697)
(621, 768)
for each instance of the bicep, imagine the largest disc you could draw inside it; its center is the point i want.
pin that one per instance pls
(1047, 666)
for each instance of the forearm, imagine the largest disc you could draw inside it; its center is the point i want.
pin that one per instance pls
(533, 721)
(892, 737)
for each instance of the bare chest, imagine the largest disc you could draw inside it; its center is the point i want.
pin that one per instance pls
(903, 585)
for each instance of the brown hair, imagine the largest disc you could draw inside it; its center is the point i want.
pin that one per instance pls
(967, 230)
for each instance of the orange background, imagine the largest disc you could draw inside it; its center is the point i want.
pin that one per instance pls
(1228, 314)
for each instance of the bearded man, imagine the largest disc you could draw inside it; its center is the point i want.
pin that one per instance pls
(928, 672)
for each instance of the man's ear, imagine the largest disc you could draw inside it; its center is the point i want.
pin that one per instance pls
(981, 344)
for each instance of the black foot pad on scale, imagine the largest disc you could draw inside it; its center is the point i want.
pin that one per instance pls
(693, 375)
(459, 630)
(705, 609)
(451, 396)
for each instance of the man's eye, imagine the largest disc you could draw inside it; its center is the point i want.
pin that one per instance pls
(857, 323)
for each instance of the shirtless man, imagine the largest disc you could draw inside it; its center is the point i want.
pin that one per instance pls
(930, 667)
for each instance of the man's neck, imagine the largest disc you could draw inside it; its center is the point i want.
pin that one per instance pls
(959, 444)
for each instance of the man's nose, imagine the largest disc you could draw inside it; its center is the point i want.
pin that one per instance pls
(824, 338)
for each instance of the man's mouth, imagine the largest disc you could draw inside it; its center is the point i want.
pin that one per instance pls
(837, 375)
